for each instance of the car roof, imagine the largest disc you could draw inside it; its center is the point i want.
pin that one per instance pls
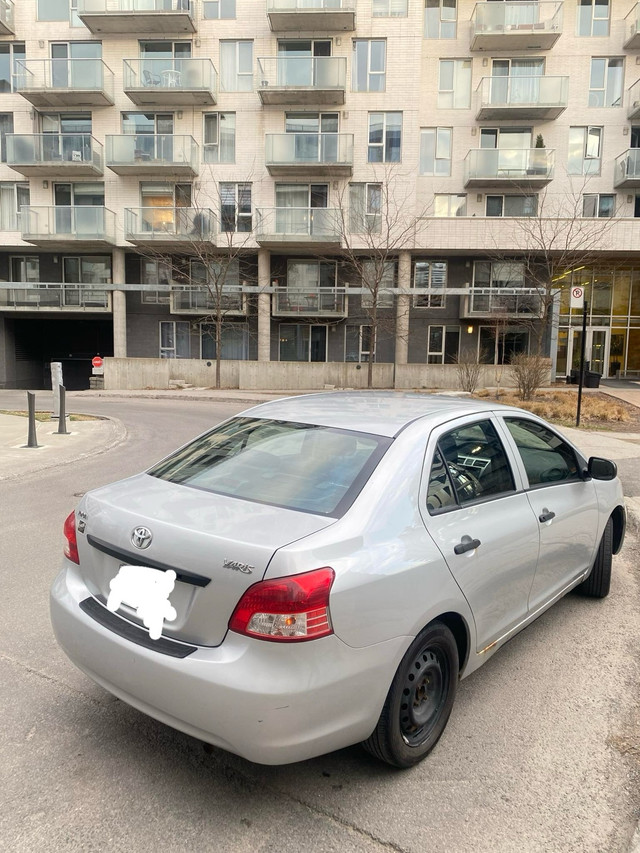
(379, 412)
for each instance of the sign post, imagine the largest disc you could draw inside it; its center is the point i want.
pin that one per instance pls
(56, 382)
(583, 344)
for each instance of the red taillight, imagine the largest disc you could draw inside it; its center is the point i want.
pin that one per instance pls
(287, 609)
(71, 545)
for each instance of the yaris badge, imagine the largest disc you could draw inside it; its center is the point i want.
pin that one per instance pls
(141, 537)
(245, 568)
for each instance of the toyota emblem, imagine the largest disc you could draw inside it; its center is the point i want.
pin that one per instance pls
(141, 537)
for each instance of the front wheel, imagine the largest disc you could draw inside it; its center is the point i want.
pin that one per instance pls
(599, 581)
(419, 701)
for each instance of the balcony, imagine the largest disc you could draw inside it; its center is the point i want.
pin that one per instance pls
(170, 82)
(7, 26)
(514, 303)
(632, 28)
(508, 167)
(310, 154)
(157, 154)
(144, 17)
(176, 228)
(55, 154)
(54, 297)
(516, 25)
(633, 101)
(68, 227)
(529, 98)
(303, 80)
(315, 227)
(201, 300)
(64, 82)
(309, 16)
(626, 171)
(309, 302)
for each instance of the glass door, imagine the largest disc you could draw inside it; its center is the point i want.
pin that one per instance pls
(596, 349)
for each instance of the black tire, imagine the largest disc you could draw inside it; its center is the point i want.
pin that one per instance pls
(419, 701)
(598, 583)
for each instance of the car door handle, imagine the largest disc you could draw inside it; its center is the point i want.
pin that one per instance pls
(468, 545)
(546, 516)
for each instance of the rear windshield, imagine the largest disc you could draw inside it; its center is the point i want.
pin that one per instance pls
(298, 466)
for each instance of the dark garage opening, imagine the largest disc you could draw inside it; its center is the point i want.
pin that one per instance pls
(73, 342)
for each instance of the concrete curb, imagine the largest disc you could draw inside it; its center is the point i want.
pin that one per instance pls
(117, 437)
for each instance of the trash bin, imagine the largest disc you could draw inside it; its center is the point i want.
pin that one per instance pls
(591, 379)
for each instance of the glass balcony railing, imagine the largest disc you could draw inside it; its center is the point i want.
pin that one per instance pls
(309, 149)
(302, 73)
(201, 299)
(168, 78)
(66, 223)
(315, 223)
(633, 100)
(305, 15)
(152, 152)
(72, 153)
(632, 27)
(506, 23)
(7, 26)
(508, 164)
(132, 7)
(493, 302)
(169, 224)
(627, 169)
(60, 82)
(319, 302)
(536, 95)
(46, 297)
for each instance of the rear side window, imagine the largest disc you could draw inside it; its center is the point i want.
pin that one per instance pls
(297, 466)
(469, 464)
(545, 456)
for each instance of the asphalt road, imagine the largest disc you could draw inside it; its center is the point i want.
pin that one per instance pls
(538, 755)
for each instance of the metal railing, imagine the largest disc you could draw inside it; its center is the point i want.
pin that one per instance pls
(627, 166)
(302, 72)
(70, 74)
(46, 297)
(54, 149)
(633, 100)
(496, 303)
(508, 164)
(159, 150)
(129, 6)
(185, 74)
(320, 302)
(186, 224)
(314, 222)
(6, 14)
(632, 22)
(202, 298)
(509, 17)
(293, 149)
(68, 223)
(516, 91)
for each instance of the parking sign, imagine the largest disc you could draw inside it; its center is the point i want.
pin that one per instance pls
(577, 297)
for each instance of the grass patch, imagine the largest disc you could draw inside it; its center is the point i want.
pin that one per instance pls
(560, 407)
(45, 417)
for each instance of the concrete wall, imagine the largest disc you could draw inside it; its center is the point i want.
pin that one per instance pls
(134, 373)
(290, 376)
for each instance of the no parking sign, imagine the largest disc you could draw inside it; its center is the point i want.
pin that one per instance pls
(577, 297)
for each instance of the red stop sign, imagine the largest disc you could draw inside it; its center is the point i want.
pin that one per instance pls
(96, 361)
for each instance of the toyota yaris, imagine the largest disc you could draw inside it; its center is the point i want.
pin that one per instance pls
(323, 570)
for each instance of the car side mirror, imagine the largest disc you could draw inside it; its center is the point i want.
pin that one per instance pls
(602, 469)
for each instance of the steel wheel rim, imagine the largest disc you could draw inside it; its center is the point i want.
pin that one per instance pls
(424, 693)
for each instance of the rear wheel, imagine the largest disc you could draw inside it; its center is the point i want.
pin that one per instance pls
(599, 581)
(419, 700)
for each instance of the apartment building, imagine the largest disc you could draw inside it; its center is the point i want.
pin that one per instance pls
(143, 141)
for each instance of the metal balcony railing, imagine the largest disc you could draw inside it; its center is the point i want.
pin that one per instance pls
(68, 223)
(318, 302)
(202, 299)
(161, 152)
(309, 149)
(7, 25)
(74, 151)
(302, 72)
(316, 223)
(64, 77)
(169, 224)
(47, 297)
(494, 303)
(170, 75)
(502, 165)
(513, 18)
(132, 7)
(627, 169)
(530, 91)
(632, 28)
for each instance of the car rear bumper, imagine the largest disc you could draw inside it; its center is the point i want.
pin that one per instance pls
(270, 703)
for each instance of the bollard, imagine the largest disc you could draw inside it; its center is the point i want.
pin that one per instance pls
(32, 440)
(62, 417)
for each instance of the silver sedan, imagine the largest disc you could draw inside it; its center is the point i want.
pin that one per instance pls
(322, 570)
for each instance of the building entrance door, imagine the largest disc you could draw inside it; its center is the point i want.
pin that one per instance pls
(596, 349)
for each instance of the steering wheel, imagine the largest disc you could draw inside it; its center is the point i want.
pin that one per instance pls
(466, 483)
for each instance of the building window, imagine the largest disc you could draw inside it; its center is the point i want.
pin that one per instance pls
(431, 274)
(365, 205)
(593, 18)
(358, 343)
(236, 66)
(12, 197)
(496, 346)
(435, 151)
(235, 207)
(214, 9)
(385, 137)
(390, 8)
(443, 344)
(234, 341)
(512, 205)
(301, 342)
(494, 278)
(369, 65)
(25, 268)
(378, 280)
(10, 56)
(219, 138)
(174, 339)
(440, 19)
(53, 10)
(596, 205)
(446, 205)
(454, 84)
(585, 148)
(605, 84)
(6, 126)
(155, 272)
